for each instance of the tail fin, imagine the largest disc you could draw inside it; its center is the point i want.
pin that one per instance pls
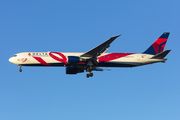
(158, 45)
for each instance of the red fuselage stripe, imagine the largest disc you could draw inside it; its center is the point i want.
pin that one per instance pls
(113, 56)
(64, 59)
(39, 59)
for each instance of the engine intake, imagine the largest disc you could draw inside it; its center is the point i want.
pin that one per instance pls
(73, 59)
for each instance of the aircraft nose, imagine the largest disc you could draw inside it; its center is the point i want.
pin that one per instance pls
(11, 60)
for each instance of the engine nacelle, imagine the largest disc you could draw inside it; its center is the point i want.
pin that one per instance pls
(73, 70)
(73, 59)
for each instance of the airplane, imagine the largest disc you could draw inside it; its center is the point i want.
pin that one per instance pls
(94, 58)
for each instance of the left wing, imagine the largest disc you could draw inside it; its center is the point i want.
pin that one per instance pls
(100, 49)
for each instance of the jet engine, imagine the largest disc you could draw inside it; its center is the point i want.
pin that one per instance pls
(73, 70)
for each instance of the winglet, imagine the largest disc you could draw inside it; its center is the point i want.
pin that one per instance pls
(161, 55)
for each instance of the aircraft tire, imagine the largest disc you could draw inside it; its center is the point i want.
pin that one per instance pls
(87, 75)
(91, 74)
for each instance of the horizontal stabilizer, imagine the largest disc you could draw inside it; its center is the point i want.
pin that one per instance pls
(161, 55)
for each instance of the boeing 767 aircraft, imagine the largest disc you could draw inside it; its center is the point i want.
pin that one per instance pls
(94, 58)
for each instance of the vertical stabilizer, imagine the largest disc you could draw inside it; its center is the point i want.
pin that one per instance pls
(158, 45)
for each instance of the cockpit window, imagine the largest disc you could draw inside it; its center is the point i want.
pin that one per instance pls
(14, 55)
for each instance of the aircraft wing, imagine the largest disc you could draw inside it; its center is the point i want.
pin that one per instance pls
(100, 49)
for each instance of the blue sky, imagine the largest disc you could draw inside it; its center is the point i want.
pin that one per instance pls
(143, 93)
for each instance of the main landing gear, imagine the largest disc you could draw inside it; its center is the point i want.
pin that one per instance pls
(20, 70)
(89, 75)
(89, 69)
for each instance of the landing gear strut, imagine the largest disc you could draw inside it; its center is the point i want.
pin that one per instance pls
(20, 70)
(90, 67)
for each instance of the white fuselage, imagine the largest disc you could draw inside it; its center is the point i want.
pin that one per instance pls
(61, 59)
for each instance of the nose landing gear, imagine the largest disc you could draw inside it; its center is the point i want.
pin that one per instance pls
(20, 70)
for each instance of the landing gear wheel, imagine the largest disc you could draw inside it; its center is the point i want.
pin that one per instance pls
(20, 70)
(91, 74)
(87, 75)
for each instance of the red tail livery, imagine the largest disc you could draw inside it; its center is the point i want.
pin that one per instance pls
(158, 45)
